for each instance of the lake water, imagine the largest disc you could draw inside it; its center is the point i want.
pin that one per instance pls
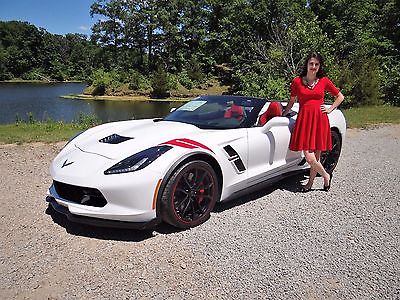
(43, 100)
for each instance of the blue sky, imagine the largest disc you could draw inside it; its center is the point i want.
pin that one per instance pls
(56, 16)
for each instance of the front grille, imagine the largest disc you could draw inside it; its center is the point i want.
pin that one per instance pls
(79, 194)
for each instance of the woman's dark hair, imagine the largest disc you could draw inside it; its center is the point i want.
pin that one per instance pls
(321, 72)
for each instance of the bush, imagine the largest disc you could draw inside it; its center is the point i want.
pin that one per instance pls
(86, 120)
(160, 83)
(98, 90)
(260, 85)
(360, 82)
(185, 80)
(103, 81)
(194, 71)
(136, 81)
(391, 88)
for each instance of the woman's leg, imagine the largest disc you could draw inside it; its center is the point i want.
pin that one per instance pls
(316, 167)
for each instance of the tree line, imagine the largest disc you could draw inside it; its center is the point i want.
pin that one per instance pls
(254, 46)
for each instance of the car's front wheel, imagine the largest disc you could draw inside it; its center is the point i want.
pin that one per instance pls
(190, 195)
(329, 159)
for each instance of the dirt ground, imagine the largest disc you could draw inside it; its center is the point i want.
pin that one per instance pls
(278, 244)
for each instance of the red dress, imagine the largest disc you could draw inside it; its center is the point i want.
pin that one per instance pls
(312, 129)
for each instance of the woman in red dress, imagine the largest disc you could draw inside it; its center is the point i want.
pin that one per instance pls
(312, 133)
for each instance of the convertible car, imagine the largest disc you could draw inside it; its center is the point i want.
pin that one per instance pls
(138, 173)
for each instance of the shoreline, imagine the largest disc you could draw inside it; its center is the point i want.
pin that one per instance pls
(40, 81)
(125, 98)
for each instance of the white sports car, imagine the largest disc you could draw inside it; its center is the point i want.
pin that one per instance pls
(137, 173)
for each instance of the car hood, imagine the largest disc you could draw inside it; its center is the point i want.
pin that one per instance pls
(119, 140)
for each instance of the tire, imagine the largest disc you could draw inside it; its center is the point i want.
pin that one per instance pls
(329, 159)
(190, 195)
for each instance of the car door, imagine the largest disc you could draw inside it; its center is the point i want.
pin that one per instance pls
(268, 150)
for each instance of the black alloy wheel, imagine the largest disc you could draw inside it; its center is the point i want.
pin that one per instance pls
(190, 195)
(329, 159)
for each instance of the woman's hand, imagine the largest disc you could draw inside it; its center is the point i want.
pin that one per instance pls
(338, 99)
(325, 110)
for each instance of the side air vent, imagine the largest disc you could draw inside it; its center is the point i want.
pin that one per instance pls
(235, 158)
(239, 165)
(231, 152)
(114, 139)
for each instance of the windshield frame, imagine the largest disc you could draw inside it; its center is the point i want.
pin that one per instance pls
(200, 107)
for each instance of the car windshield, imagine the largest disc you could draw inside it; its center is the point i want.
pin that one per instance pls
(219, 112)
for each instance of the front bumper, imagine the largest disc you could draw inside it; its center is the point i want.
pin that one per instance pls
(99, 222)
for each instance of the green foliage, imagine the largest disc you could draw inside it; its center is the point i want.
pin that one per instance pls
(184, 79)
(261, 44)
(261, 84)
(391, 80)
(248, 84)
(194, 71)
(86, 121)
(360, 81)
(30, 53)
(137, 81)
(103, 81)
(160, 83)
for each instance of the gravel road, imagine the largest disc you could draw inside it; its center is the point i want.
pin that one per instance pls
(275, 244)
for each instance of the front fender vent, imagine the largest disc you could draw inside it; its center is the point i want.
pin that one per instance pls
(235, 158)
(114, 139)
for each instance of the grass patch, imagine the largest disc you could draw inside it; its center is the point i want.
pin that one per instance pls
(362, 117)
(38, 132)
(48, 131)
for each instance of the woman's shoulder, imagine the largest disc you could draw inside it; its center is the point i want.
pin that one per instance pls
(325, 79)
(296, 80)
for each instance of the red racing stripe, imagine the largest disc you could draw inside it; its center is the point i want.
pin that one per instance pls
(196, 144)
(180, 144)
(187, 143)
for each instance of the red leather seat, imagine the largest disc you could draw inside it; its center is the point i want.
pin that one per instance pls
(235, 111)
(274, 110)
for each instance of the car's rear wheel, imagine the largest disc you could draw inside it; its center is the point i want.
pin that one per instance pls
(329, 159)
(190, 195)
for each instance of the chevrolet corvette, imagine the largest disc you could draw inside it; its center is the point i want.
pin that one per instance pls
(138, 173)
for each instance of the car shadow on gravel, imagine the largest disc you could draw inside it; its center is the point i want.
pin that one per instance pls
(104, 233)
(292, 184)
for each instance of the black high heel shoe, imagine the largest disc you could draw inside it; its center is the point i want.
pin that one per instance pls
(327, 187)
(304, 189)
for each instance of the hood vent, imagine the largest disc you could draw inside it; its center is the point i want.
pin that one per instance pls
(114, 139)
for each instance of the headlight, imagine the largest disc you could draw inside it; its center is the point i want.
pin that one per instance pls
(138, 161)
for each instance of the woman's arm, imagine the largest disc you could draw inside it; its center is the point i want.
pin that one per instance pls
(289, 105)
(338, 99)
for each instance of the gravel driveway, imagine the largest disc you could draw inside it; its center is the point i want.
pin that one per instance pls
(276, 244)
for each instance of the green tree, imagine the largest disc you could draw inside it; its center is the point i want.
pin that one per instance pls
(20, 44)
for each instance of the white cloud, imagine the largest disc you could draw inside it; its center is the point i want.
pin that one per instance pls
(83, 28)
